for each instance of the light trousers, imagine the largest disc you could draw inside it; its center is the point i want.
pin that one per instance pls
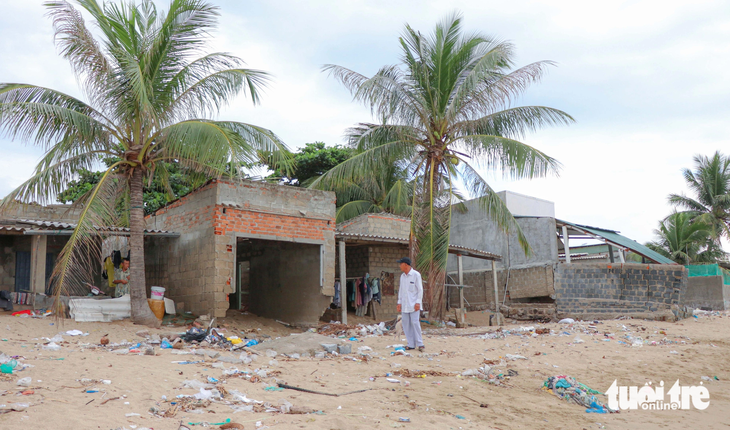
(412, 328)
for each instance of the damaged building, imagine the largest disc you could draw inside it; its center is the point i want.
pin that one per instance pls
(548, 283)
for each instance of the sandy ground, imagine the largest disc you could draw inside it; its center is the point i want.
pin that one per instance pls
(60, 401)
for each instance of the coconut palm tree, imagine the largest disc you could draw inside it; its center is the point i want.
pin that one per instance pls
(448, 110)
(149, 86)
(710, 184)
(686, 240)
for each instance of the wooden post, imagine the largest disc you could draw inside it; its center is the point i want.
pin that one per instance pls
(566, 245)
(38, 264)
(343, 282)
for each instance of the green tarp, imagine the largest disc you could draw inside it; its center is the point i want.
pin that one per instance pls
(708, 270)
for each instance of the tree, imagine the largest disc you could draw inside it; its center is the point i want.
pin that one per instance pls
(686, 240)
(149, 86)
(310, 162)
(448, 105)
(176, 183)
(710, 184)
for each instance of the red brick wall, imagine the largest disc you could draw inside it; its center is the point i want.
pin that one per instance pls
(242, 221)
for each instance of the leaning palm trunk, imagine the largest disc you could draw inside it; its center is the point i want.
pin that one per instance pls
(141, 313)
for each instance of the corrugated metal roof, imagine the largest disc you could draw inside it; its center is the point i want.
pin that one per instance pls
(613, 237)
(453, 249)
(30, 226)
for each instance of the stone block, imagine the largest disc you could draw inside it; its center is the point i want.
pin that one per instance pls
(344, 349)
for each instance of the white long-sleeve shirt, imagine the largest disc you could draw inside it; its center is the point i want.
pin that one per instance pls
(411, 291)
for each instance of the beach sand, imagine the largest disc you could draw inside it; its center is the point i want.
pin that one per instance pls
(448, 401)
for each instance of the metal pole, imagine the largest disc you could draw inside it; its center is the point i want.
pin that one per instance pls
(343, 282)
(460, 269)
(566, 239)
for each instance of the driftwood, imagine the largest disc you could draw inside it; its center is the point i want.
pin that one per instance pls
(304, 390)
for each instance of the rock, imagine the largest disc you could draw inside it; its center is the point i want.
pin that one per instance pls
(204, 343)
(319, 354)
(300, 410)
(344, 349)
(121, 351)
(329, 347)
(155, 338)
(212, 354)
(143, 333)
(149, 351)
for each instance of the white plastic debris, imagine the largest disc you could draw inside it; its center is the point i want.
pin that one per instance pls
(52, 346)
(577, 339)
(393, 380)
(513, 357)
(24, 382)
(566, 321)
(76, 333)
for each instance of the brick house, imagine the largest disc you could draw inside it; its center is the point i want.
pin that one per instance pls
(243, 244)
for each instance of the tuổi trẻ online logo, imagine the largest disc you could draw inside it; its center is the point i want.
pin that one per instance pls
(654, 397)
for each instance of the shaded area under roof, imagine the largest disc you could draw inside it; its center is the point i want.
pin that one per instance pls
(612, 237)
(365, 239)
(50, 228)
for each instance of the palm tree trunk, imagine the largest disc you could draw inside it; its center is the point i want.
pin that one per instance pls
(141, 313)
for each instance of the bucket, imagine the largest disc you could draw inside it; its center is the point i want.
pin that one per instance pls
(158, 293)
(157, 307)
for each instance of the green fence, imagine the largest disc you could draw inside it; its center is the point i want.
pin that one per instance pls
(709, 270)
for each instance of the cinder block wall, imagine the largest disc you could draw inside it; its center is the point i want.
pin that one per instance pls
(706, 292)
(608, 290)
(185, 266)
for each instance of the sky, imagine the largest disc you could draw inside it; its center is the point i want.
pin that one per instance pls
(646, 82)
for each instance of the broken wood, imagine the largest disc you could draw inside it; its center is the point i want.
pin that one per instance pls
(304, 390)
(109, 400)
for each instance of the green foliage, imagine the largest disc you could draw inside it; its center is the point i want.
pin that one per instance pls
(179, 183)
(686, 240)
(710, 184)
(310, 162)
(446, 110)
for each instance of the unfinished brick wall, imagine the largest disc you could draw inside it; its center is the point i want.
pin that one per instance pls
(198, 267)
(609, 290)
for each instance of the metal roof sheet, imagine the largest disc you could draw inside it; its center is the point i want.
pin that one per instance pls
(30, 226)
(613, 237)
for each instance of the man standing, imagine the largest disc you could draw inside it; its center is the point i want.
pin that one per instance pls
(121, 279)
(410, 301)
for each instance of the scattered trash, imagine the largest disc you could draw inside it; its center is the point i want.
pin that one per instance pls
(577, 339)
(566, 321)
(404, 420)
(52, 346)
(567, 388)
(512, 357)
(24, 382)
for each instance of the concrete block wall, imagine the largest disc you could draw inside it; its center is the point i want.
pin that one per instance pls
(378, 224)
(481, 291)
(7, 262)
(608, 290)
(531, 282)
(706, 292)
(57, 213)
(186, 266)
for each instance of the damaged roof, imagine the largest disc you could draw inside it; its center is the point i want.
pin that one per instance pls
(613, 237)
(355, 238)
(40, 227)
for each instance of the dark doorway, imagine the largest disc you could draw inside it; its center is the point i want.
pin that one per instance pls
(22, 271)
(283, 280)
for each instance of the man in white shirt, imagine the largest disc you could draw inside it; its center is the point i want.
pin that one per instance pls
(410, 302)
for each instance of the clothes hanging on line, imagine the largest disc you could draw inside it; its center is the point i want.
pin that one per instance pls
(336, 298)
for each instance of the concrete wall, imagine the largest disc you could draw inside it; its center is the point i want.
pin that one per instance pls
(290, 295)
(58, 213)
(378, 224)
(199, 267)
(706, 292)
(474, 229)
(610, 290)
(186, 266)
(522, 205)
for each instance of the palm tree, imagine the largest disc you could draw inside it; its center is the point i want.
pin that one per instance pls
(386, 190)
(710, 184)
(447, 110)
(686, 240)
(149, 86)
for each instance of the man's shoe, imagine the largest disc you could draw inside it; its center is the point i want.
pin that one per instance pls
(421, 348)
(408, 348)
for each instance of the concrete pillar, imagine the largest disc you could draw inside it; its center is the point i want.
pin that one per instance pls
(566, 239)
(460, 268)
(497, 315)
(610, 253)
(343, 282)
(38, 246)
